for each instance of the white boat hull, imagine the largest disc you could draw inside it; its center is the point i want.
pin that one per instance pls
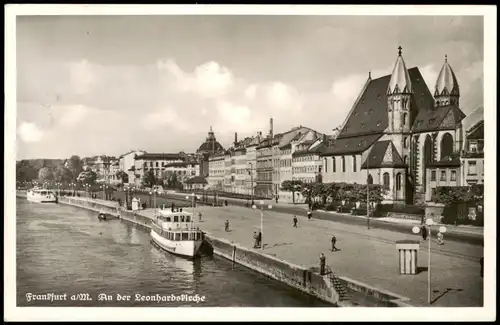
(41, 198)
(185, 248)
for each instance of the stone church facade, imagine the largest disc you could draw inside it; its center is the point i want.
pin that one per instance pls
(395, 130)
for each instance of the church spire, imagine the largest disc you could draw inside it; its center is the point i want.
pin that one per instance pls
(400, 79)
(447, 90)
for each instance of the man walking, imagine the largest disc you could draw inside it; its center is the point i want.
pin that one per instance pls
(309, 215)
(334, 241)
(423, 229)
(226, 226)
(295, 220)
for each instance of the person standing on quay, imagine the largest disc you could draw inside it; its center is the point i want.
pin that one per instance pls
(309, 214)
(295, 220)
(259, 238)
(423, 229)
(255, 240)
(322, 262)
(226, 226)
(440, 238)
(334, 241)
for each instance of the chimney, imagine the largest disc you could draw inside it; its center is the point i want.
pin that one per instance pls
(271, 128)
(235, 138)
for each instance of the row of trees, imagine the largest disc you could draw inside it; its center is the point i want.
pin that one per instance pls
(323, 193)
(170, 181)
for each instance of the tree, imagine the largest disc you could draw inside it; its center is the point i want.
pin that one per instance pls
(45, 175)
(63, 175)
(75, 166)
(87, 177)
(25, 171)
(122, 176)
(149, 179)
(292, 186)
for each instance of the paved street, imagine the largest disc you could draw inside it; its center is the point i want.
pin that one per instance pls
(367, 256)
(471, 235)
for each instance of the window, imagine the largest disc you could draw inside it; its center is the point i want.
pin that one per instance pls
(453, 175)
(404, 119)
(473, 146)
(433, 175)
(472, 168)
(386, 180)
(157, 164)
(443, 175)
(334, 165)
(405, 142)
(342, 161)
(398, 182)
(370, 179)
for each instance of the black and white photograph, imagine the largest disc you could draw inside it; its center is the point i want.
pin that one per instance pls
(327, 161)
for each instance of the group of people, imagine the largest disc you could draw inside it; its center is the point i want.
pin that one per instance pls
(425, 235)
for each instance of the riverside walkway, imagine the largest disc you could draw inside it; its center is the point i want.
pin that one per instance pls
(367, 256)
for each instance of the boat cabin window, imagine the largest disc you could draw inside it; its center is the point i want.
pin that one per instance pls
(167, 219)
(188, 219)
(176, 218)
(43, 193)
(177, 236)
(185, 236)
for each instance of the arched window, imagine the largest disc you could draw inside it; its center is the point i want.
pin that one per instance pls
(342, 161)
(398, 182)
(326, 165)
(354, 163)
(370, 179)
(405, 160)
(446, 145)
(334, 165)
(386, 180)
(404, 118)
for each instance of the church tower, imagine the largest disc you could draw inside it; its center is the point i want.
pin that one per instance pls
(399, 94)
(447, 91)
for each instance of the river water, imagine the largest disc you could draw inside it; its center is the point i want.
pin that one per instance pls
(66, 250)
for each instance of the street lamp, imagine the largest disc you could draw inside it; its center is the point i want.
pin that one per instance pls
(429, 222)
(262, 219)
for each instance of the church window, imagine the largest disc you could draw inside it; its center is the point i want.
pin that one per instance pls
(354, 163)
(333, 165)
(405, 142)
(326, 165)
(342, 161)
(446, 145)
(386, 181)
(404, 119)
(405, 160)
(370, 179)
(398, 182)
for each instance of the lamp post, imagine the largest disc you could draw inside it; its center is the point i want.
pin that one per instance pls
(262, 219)
(429, 222)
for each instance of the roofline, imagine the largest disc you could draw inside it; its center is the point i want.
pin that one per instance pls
(356, 103)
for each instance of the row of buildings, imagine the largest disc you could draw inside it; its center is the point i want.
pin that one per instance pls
(398, 133)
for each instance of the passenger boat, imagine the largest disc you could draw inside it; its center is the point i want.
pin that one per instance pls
(176, 232)
(41, 196)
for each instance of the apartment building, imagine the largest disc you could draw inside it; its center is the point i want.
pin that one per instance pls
(472, 157)
(155, 162)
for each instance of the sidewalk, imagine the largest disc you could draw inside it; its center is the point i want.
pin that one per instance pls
(367, 256)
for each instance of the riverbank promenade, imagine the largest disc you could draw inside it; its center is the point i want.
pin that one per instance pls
(366, 256)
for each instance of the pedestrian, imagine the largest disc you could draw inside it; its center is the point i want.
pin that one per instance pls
(277, 199)
(259, 238)
(226, 226)
(255, 240)
(295, 220)
(199, 216)
(334, 241)
(225, 202)
(423, 229)
(481, 261)
(440, 238)
(322, 261)
(309, 214)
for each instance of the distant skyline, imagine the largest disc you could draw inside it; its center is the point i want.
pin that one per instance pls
(95, 85)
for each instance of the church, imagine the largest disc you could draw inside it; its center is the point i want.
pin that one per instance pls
(395, 130)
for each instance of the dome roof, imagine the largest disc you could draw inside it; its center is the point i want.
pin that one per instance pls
(210, 146)
(446, 83)
(400, 79)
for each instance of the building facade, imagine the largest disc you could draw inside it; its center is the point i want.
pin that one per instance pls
(472, 158)
(217, 170)
(395, 130)
(155, 162)
(127, 163)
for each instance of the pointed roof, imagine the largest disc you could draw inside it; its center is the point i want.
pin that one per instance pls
(382, 155)
(400, 79)
(446, 83)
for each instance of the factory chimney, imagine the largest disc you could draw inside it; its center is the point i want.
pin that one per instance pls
(235, 138)
(271, 128)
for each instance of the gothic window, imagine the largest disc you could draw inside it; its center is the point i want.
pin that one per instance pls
(334, 165)
(370, 179)
(354, 163)
(404, 118)
(398, 182)
(405, 142)
(405, 160)
(446, 145)
(386, 180)
(342, 161)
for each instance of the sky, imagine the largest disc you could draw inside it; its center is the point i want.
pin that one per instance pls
(95, 85)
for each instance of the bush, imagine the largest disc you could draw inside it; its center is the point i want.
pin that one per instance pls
(383, 209)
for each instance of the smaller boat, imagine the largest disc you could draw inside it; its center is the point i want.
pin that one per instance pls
(41, 196)
(102, 216)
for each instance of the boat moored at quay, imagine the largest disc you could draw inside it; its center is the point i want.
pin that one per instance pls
(40, 196)
(176, 232)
